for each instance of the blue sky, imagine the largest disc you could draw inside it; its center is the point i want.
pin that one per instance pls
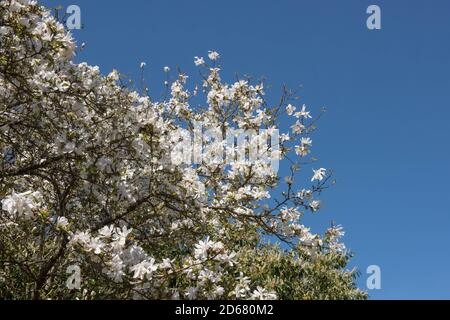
(386, 132)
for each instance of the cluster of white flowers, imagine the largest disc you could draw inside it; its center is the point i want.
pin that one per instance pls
(304, 148)
(333, 237)
(262, 294)
(119, 258)
(319, 174)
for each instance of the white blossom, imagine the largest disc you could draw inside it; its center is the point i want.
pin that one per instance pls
(62, 222)
(303, 113)
(144, 269)
(319, 174)
(262, 294)
(298, 128)
(213, 55)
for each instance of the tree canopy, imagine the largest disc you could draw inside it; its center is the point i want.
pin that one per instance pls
(91, 175)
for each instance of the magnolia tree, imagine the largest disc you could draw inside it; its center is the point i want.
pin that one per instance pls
(151, 199)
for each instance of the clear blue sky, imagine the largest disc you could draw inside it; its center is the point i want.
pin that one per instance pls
(386, 132)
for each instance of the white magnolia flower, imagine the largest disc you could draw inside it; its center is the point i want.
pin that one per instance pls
(290, 109)
(199, 61)
(166, 69)
(114, 75)
(213, 55)
(243, 286)
(304, 194)
(121, 235)
(95, 245)
(22, 204)
(302, 150)
(315, 205)
(335, 232)
(303, 113)
(3, 30)
(106, 231)
(218, 292)
(262, 294)
(319, 174)
(115, 269)
(166, 264)
(201, 248)
(81, 238)
(207, 276)
(306, 141)
(143, 64)
(144, 269)
(297, 128)
(62, 222)
(284, 137)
